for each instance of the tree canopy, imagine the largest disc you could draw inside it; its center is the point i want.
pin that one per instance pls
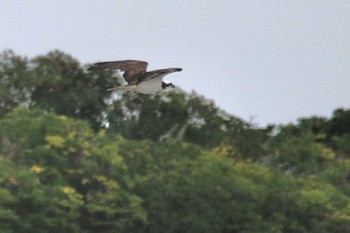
(76, 158)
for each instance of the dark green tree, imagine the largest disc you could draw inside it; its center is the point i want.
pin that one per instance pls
(339, 124)
(15, 89)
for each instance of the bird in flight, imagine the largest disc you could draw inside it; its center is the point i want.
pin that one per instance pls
(135, 76)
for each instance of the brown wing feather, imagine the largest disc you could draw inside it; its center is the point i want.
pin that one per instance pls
(133, 69)
(157, 73)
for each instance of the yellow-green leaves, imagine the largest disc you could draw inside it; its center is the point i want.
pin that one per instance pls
(56, 141)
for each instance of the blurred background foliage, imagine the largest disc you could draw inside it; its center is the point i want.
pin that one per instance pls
(77, 158)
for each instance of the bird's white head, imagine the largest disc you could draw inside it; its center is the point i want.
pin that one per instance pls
(167, 85)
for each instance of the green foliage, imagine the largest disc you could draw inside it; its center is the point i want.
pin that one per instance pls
(302, 155)
(14, 88)
(342, 144)
(54, 82)
(63, 174)
(73, 158)
(26, 204)
(340, 122)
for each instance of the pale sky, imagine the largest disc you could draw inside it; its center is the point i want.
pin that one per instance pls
(270, 60)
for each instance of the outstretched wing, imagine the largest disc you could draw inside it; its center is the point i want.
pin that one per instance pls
(133, 69)
(159, 74)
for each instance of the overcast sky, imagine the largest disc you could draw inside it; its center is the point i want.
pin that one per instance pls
(270, 60)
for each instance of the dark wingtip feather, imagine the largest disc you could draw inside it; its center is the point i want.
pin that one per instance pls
(91, 67)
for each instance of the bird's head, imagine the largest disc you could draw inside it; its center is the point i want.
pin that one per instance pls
(167, 85)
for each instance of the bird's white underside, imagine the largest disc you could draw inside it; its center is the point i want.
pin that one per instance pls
(149, 87)
(119, 75)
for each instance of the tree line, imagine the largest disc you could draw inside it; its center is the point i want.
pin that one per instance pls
(76, 158)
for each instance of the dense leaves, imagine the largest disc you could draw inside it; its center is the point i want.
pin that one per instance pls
(76, 158)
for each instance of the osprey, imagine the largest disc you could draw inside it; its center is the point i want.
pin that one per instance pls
(135, 76)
